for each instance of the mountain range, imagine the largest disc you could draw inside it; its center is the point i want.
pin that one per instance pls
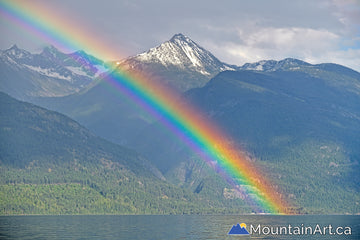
(300, 122)
(50, 73)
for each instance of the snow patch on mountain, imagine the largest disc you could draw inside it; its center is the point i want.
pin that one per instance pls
(80, 71)
(100, 70)
(7, 59)
(48, 72)
(272, 65)
(77, 70)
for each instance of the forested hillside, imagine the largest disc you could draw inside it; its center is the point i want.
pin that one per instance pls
(49, 164)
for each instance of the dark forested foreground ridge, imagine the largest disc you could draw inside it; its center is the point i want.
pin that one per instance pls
(52, 165)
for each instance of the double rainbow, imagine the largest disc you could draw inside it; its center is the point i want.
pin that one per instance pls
(181, 117)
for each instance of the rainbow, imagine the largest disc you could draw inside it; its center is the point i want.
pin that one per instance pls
(203, 136)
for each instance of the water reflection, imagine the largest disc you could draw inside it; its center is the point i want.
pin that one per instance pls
(161, 227)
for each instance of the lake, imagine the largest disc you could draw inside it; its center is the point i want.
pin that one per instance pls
(178, 227)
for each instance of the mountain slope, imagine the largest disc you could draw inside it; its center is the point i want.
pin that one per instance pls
(179, 62)
(32, 134)
(282, 103)
(107, 113)
(302, 125)
(335, 74)
(50, 164)
(51, 73)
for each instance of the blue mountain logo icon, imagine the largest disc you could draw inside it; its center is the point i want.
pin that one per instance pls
(239, 229)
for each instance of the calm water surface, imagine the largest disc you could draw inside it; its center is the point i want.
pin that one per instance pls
(164, 227)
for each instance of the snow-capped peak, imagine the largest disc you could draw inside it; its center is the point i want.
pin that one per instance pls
(179, 37)
(51, 52)
(182, 52)
(16, 53)
(272, 65)
(14, 48)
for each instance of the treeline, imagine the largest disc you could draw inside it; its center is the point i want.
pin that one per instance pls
(98, 190)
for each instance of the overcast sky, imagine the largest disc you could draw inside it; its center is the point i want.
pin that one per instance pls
(235, 31)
